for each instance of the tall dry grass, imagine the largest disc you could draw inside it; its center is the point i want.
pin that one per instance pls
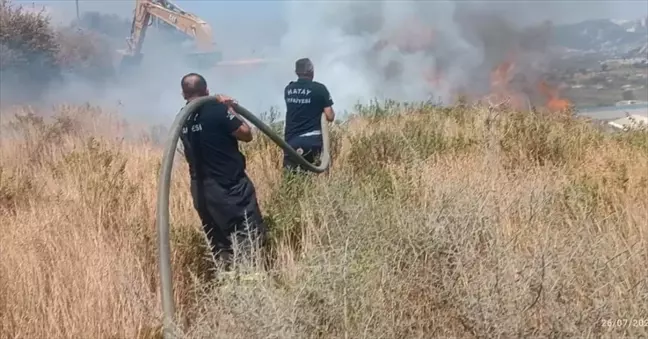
(432, 223)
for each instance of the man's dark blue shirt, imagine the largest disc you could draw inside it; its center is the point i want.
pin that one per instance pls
(305, 103)
(207, 139)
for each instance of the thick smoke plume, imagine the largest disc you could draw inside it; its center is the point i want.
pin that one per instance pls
(409, 50)
(402, 50)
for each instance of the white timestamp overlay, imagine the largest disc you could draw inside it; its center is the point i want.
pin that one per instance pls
(624, 322)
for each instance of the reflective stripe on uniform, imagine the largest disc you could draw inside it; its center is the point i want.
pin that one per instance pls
(308, 134)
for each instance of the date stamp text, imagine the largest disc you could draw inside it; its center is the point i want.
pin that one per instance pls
(624, 322)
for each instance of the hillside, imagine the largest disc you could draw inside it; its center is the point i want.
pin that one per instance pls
(432, 223)
(611, 38)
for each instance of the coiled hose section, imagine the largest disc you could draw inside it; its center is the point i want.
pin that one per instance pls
(162, 214)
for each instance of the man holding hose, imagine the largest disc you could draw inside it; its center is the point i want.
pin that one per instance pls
(306, 100)
(223, 194)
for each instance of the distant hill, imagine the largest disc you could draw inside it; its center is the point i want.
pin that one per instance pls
(615, 38)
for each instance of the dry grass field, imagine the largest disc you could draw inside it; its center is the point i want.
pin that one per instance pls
(432, 223)
(458, 222)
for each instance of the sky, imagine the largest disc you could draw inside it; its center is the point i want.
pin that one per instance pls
(234, 11)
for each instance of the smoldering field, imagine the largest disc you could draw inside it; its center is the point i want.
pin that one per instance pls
(433, 222)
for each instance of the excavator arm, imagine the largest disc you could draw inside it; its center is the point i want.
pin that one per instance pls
(205, 55)
(173, 15)
(166, 11)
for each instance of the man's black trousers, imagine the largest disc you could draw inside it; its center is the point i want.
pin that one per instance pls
(228, 213)
(311, 147)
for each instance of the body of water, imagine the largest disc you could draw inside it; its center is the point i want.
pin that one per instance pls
(613, 112)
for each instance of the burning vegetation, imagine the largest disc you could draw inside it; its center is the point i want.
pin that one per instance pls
(510, 85)
(513, 71)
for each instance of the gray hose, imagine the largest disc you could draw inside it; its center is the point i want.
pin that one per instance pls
(162, 214)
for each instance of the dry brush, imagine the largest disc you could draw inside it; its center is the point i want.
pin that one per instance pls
(433, 222)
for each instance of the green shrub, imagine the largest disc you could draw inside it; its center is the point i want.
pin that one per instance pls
(28, 49)
(33, 54)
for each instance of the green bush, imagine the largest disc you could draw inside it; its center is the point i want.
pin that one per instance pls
(28, 49)
(33, 54)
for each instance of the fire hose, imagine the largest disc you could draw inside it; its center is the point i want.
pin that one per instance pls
(162, 214)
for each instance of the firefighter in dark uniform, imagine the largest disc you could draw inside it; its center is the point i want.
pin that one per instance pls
(306, 100)
(223, 194)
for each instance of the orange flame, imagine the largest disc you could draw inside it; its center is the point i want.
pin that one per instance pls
(501, 91)
(554, 102)
(415, 36)
(501, 75)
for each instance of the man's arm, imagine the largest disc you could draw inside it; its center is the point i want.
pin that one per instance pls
(330, 114)
(217, 118)
(328, 104)
(241, 130)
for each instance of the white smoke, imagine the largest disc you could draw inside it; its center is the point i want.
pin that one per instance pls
(339, 36)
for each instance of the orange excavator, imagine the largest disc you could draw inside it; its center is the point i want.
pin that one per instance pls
(206, 54)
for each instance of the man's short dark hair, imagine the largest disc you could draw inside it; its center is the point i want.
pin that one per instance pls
(193, 84)
(304, 66)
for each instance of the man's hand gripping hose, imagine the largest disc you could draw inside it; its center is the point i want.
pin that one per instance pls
(162, 214)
